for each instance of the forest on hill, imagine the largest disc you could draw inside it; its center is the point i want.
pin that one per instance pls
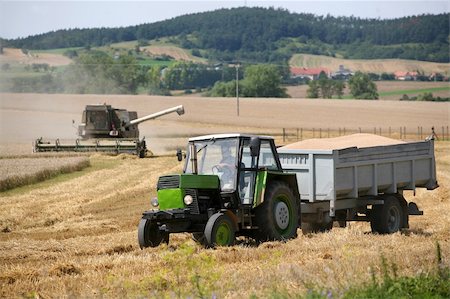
(271, 35)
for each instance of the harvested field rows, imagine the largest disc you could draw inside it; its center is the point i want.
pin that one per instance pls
(77, 237)
(31, 116)
(377, 66)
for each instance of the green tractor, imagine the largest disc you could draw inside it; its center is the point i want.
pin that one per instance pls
(232, 185)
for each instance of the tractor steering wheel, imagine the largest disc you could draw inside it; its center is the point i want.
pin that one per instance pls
(225, 169)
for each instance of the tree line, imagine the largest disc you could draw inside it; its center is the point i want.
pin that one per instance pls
(259, 34)
(96, 72)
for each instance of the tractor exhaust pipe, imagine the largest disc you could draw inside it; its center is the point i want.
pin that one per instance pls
(193, 158)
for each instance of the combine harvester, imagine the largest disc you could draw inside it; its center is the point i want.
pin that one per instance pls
(106, 129)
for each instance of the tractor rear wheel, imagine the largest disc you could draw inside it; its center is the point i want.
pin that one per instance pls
(149, 234)
(219, 231)
(277, 216)
(388, 217)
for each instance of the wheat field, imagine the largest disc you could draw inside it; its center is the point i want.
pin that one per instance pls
(75, 235)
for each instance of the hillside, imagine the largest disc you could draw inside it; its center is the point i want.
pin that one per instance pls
(377, 66)
(269, 35)
(17, 56)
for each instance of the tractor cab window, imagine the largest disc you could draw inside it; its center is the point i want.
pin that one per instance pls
(218, 157)
(247, 173)
(266, 157)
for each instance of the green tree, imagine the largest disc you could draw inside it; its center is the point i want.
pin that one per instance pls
(361, 87)
(263, 81)
(325, 88)
(225, 89)
(338, 88)
(313, 90)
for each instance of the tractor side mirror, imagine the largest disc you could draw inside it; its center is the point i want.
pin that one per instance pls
(179, 155)
(255, 144)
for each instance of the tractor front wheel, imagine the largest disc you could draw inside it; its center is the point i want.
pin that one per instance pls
(219, 231)
(149, 234)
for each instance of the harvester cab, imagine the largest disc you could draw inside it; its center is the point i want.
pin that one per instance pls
(231, 185)
(103, 121)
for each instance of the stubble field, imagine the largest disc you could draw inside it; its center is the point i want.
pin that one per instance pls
(76, 234)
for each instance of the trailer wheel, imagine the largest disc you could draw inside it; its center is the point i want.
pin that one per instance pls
(388, 217)
(277, 216)
(219, 231)
(312, 227)
(149, 234)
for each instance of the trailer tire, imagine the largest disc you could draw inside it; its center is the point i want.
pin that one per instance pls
(149, 234)
(387, 218)
(219, 231)
(277, 217)
(313, 227)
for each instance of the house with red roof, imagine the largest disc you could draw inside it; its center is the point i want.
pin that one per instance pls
(309, 73)
(406, 76)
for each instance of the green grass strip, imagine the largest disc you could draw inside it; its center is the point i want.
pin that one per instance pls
(414, 91)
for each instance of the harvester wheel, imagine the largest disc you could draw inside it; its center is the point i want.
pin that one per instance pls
(388, 217)
(149, 234)
(277, 216)
(219, 231)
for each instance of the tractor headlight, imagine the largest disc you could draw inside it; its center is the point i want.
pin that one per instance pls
(188, 200)
(154, 202)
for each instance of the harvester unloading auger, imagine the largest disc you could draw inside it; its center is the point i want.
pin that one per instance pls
(106, 129)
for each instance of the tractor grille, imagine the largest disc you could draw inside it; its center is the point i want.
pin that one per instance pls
(169, 182)
(193, 207)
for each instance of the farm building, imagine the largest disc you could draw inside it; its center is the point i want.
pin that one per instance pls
(406, 76)
(342, 73)
(309, 73)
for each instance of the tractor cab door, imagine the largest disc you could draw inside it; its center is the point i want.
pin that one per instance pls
(252, 163)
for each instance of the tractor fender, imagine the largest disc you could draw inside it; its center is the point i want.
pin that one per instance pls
(233, 218)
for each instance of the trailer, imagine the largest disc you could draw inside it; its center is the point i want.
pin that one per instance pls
(360, 183)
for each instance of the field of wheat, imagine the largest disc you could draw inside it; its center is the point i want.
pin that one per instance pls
(75, 235)
(22, 171)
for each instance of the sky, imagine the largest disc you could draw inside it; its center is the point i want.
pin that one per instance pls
(23, 18)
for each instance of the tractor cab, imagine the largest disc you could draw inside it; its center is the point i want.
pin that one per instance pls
(232, 184)
(235, 159)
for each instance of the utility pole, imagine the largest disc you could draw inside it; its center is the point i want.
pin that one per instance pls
(237, 88)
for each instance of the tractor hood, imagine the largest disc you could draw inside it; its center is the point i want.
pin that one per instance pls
(172, 189)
